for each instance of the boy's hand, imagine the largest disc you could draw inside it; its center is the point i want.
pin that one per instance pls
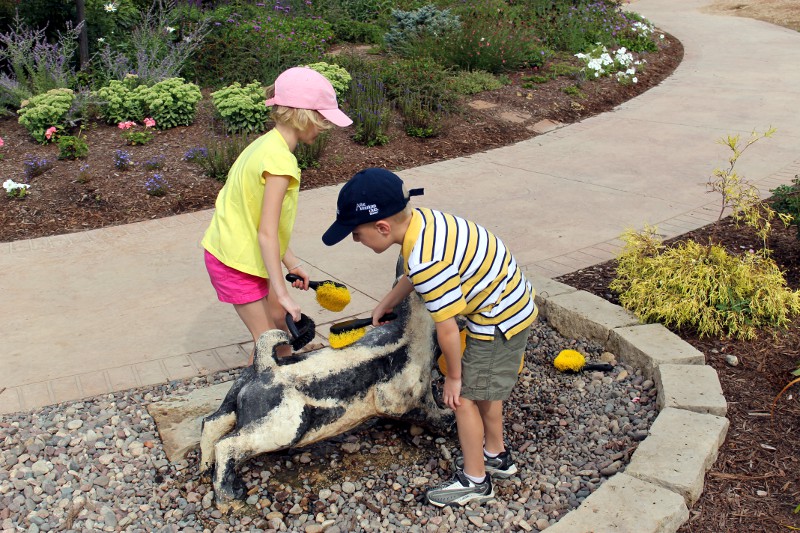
(378, 312)
(452, 392)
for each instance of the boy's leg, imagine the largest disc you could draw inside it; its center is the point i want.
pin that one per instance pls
(492, 416)
(470, 436)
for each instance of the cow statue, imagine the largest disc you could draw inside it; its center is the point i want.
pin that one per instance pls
(289, 402)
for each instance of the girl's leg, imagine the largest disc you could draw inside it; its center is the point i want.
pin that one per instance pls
(257, 318)
(492, 416)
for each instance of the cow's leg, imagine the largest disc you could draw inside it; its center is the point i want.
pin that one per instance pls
(273, 432)
(220, 422)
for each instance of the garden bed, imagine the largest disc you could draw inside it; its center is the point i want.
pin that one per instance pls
(92, 193)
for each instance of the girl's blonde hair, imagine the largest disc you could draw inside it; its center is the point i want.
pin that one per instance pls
(296, 118)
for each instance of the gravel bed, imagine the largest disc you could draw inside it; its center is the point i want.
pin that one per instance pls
(99, 465)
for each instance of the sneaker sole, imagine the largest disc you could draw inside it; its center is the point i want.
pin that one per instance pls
(502, 474)
(464, 500)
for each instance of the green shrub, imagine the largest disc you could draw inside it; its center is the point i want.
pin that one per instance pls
(353, 31)
(256, 43)
(72, 147)
(242, 108)
(786, 200)
(338, 76)
(44, 111)
(121, 101)
(409, 26)
(702, 287)
(172, 102)
(422, 75)
(468, 83)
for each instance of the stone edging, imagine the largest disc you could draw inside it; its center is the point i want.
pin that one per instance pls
(665, 475)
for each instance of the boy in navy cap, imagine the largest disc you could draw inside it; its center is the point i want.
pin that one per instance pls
(458, 268)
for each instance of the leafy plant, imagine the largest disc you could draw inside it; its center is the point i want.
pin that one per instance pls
(172, 102)
(154, 163)
(156, 49)
(43, 111)
(338, 76)
(122, 160)
(121, 100)
(308, 155)
(786, 200)
(134, 136)
(84, 174)
(35, 166)
(35, 63)
(72, 147)
(242, 108)
(475, 81)
(369, 110)
(600, 62)
(422, 115)
(256, 42)
(409, 27)
(15, 190)
(219, 156)
(157, 185)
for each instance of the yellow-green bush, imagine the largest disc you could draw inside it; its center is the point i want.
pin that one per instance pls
(702, 287)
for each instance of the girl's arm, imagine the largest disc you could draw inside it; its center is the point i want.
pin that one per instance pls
(274, 191)
(295, 266)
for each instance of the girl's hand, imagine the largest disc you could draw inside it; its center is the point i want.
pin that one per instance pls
(299, 271)
(452, 393)
(290, 306)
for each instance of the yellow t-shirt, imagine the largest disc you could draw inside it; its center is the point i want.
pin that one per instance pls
(232, 236)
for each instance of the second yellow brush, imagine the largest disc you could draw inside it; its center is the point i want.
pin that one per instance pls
(331, 295)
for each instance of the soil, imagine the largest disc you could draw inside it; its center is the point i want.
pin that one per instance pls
(755, 483)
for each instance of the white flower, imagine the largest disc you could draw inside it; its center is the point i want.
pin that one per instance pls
(10, 185)
(100, 40)
(661, 36)
(169, 29)
(110, 7)
(634, 79)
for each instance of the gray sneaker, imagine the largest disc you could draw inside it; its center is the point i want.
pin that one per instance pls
(500, 467)
(460, 491)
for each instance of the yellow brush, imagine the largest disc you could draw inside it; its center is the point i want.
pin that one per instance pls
(346, 333)
(574, 361)
(331, 295)
(443, 362)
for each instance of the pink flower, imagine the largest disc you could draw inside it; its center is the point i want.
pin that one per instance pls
(50, 132)
(149, 122)
(126, 125)
(2, 143)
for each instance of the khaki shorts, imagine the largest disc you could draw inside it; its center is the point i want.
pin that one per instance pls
(489, 369)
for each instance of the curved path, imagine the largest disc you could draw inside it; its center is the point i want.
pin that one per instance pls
(122, 307)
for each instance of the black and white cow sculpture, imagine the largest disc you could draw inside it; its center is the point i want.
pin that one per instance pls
(280, 403)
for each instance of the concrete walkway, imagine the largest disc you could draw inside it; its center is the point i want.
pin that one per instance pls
(107, 310)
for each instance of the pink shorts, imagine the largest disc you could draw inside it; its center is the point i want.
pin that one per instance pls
(234, 286)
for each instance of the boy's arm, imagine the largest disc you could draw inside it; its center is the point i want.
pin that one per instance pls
(449, 338)
(402, 288)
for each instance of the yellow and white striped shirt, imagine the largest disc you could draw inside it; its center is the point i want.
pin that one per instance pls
(461, 268)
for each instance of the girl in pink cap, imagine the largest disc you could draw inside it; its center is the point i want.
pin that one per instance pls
(248, 237)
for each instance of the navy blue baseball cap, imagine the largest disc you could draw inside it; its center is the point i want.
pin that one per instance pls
(372, 194)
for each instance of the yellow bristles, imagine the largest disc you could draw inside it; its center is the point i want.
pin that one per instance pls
(346, 338)
(333, 298)
(569, 360)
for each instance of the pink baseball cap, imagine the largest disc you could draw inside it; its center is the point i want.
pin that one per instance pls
(305, 88)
